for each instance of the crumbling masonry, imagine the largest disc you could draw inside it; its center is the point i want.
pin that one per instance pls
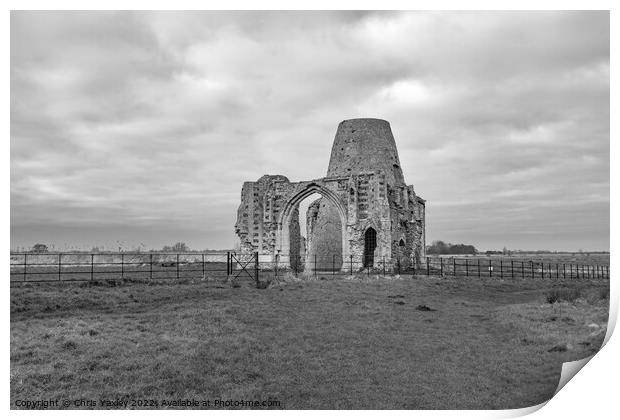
(366, 215)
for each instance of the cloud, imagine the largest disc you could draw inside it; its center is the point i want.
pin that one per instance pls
(154, 119)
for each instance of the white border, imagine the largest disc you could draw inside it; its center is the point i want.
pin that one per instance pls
(592, 394)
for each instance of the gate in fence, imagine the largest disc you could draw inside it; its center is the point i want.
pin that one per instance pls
(242, 266)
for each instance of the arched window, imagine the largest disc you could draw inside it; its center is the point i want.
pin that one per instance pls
(370, 244)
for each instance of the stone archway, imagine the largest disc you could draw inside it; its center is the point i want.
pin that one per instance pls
(283, 239)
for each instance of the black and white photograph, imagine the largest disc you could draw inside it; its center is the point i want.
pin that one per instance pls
(307, 209)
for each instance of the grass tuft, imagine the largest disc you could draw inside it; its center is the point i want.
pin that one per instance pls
(562, 294)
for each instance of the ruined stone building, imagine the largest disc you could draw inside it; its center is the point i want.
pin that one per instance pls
(367, 214)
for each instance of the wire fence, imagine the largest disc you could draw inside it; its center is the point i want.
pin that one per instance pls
(452, 266)
(67, 267)
(160, 266)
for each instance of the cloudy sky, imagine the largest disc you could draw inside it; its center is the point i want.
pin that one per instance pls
(138, 128)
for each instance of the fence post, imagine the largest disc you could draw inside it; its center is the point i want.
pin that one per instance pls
(151, 267)
(384, 266)
(92, 266)
(59, 266)
(466, 267)
(441, 266)
(297, 264)
(479, 268)
(351, 263)
(454, 265)
(512, 269)
(122, 266)
(490, 267)
(203, 265)
(532, 268)
(557, 271)
(256, 268)
(315, 264)
(428, 266)
(25, 266)
(177, 266)
(577, 270)
(522, 269)
(501, 269)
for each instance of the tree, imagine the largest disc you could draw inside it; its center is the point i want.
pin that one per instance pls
(443, 248)
(178, 247)
(39, 248)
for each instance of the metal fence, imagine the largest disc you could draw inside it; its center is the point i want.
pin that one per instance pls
(511, 268)
(76, 266)
(452, 266)
(70, 267)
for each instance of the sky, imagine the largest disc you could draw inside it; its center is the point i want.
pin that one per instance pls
(137, 129)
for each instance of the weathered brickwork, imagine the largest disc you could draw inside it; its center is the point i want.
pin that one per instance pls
(364, 188)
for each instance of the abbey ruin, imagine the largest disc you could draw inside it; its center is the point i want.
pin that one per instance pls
(367, 214)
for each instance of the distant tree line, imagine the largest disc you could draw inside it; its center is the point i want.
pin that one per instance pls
(178, 247)
(444, 248)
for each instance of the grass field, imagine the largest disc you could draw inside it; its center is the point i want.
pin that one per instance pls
(349, 343)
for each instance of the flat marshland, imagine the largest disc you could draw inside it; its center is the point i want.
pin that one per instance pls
(321, 343)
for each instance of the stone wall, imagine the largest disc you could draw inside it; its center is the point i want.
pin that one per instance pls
(257, 214)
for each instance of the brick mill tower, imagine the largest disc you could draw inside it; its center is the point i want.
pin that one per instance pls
(367, 215)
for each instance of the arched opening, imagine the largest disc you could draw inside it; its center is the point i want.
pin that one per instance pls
(312, 229)
(304, 216)
(370, 244)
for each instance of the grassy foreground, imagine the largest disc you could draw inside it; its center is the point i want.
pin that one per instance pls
(349, 343)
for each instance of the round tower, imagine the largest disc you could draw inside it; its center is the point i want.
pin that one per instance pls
(365, 145)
